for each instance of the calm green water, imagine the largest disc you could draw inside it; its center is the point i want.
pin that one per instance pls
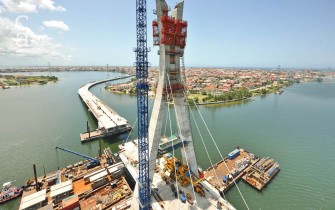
(296, 128)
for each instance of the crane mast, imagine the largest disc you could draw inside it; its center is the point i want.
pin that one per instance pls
(142, 104)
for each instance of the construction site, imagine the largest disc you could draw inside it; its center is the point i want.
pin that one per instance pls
(162, 181)
(95, 183)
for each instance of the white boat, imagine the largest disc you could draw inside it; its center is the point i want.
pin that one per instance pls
(9, 192)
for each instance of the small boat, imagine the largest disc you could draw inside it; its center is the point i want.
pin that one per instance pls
(166, 143)
(4, 87)
(9, 192)
(279, 92)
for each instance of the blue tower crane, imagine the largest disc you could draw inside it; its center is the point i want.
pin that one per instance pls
(142, 104)
(93, 161)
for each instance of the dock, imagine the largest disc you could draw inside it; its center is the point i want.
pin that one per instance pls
(223, 174)
(109, 121)
(163, 194)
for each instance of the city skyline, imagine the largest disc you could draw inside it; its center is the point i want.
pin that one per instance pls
(295, 34)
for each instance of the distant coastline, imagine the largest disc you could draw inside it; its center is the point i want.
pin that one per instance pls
(129, 88)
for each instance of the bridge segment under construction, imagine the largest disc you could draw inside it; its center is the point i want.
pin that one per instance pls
(109, 121)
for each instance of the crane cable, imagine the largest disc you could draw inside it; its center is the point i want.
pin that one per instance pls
(174, 160)
(219, 153)
(203, 142)
(132, 129)
(189, 169)
(166, 121)
(183, 66)
(57, 159)
(196, 124)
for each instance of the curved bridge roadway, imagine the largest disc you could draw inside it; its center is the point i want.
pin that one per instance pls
(109, 121)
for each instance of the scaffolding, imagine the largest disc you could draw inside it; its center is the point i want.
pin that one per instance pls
(174, 32)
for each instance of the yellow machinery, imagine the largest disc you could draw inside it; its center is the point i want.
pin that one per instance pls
(183, 174)
(198, 188)
(183, 180)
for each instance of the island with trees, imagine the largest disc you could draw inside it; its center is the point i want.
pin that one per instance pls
(7, 81)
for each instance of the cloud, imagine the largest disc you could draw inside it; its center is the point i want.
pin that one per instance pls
(2, 10)
(17, 40)
(56, 24)
(28, 6)
(16, 6)
(73, 49)
(50, 5)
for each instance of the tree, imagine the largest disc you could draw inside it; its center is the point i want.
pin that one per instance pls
(190, 102)
(196, 100)
(264, 91)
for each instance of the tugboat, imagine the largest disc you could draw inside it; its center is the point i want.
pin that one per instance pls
(9, 192)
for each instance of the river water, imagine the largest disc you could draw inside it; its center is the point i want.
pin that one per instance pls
(296, 128)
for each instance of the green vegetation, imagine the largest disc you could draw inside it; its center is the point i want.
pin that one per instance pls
(197, 97)
(13, 80)
(228, 96)
(190, 102)
(9, 83)
(273, 88)
(132, 91)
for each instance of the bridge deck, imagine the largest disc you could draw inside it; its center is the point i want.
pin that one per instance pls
(109, 121)
(163, 197)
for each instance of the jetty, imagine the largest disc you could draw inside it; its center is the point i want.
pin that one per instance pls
(109, 121)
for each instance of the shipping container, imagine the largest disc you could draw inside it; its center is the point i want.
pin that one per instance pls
(233, 154)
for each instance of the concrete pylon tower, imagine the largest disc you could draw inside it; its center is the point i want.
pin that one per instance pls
(170, 35)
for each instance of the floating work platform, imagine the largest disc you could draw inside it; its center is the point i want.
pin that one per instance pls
(259, 175)
(163, 195)
(223, 174)
(77, 187)
(98, 134)
(109, 121)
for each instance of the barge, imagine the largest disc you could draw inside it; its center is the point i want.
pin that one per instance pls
(223, 174)
(261, 173)
(78, 186)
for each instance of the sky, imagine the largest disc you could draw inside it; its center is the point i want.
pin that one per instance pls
(221, 33)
